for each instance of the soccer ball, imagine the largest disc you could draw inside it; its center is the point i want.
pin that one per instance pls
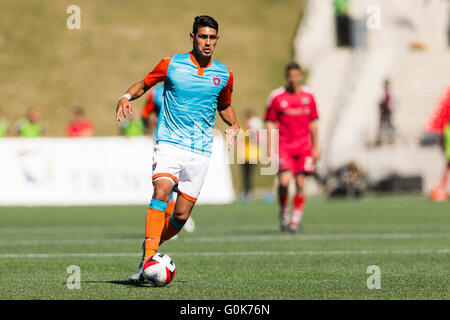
(159, 269)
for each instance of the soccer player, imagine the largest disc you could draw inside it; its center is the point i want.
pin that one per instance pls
(439, 124)
(292, 109)
(195, 86)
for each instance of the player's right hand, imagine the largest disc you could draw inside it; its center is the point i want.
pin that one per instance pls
(272, 157)
(232, 133)
(124, 107)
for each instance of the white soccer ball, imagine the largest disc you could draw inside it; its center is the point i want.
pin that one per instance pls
(159, 269)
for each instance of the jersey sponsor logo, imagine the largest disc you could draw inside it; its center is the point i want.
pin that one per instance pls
(305, 100)
(181, 70)
(216, 80)
(297, 112)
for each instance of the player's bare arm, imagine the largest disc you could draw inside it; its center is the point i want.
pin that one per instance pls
(124, 106)
(314, 139)
(228, 116)
(270, 127)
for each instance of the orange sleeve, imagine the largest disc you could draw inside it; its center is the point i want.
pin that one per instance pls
(158, 74)
(225, 94)
(149, 107)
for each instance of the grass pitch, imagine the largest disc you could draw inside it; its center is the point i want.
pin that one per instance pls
(236, 252)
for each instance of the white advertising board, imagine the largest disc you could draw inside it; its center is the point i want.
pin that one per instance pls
(93, 171)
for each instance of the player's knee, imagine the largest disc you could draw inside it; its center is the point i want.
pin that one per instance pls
(283, 187)
(181, 216)
(161, 194)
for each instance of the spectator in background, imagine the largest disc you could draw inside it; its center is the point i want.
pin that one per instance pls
(30, 126)
(3, 126)
(446, 145)
(79, 126)
(386, 130)
(348, 181)
(250, 153)
(343, 37)
(132, 127)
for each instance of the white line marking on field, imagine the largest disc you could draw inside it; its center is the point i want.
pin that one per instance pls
(45, 230)
(66, 255)
(239, 253)
(308, 237)
(363, 236)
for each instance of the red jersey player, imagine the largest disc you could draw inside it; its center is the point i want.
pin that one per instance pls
(293, 111)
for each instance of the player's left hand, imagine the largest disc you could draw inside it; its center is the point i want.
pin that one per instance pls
(232, 133)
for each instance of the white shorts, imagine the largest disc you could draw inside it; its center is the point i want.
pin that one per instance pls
(184, 167)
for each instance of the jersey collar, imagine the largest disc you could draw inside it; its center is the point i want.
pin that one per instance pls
(200, 69)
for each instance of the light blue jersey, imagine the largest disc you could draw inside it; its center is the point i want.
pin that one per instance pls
(158, 98)
(190, 99)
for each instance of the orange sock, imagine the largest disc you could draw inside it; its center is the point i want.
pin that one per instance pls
(170, 208)
(154, 225)
(171, 228)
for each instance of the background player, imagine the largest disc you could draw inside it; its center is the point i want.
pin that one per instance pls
(293, 111)
(439, 124)
(153, 106)
(195, 86)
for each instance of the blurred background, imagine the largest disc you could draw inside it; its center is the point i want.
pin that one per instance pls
(379, 71)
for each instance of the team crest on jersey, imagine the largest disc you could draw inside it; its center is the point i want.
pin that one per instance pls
(216, 80)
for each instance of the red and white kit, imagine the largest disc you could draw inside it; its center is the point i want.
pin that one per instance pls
(293, 112)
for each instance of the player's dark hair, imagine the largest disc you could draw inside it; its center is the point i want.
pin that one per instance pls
(204, 21)
(79, 111)
(293, 65)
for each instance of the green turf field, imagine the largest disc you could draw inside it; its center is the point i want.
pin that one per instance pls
(236, 252)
